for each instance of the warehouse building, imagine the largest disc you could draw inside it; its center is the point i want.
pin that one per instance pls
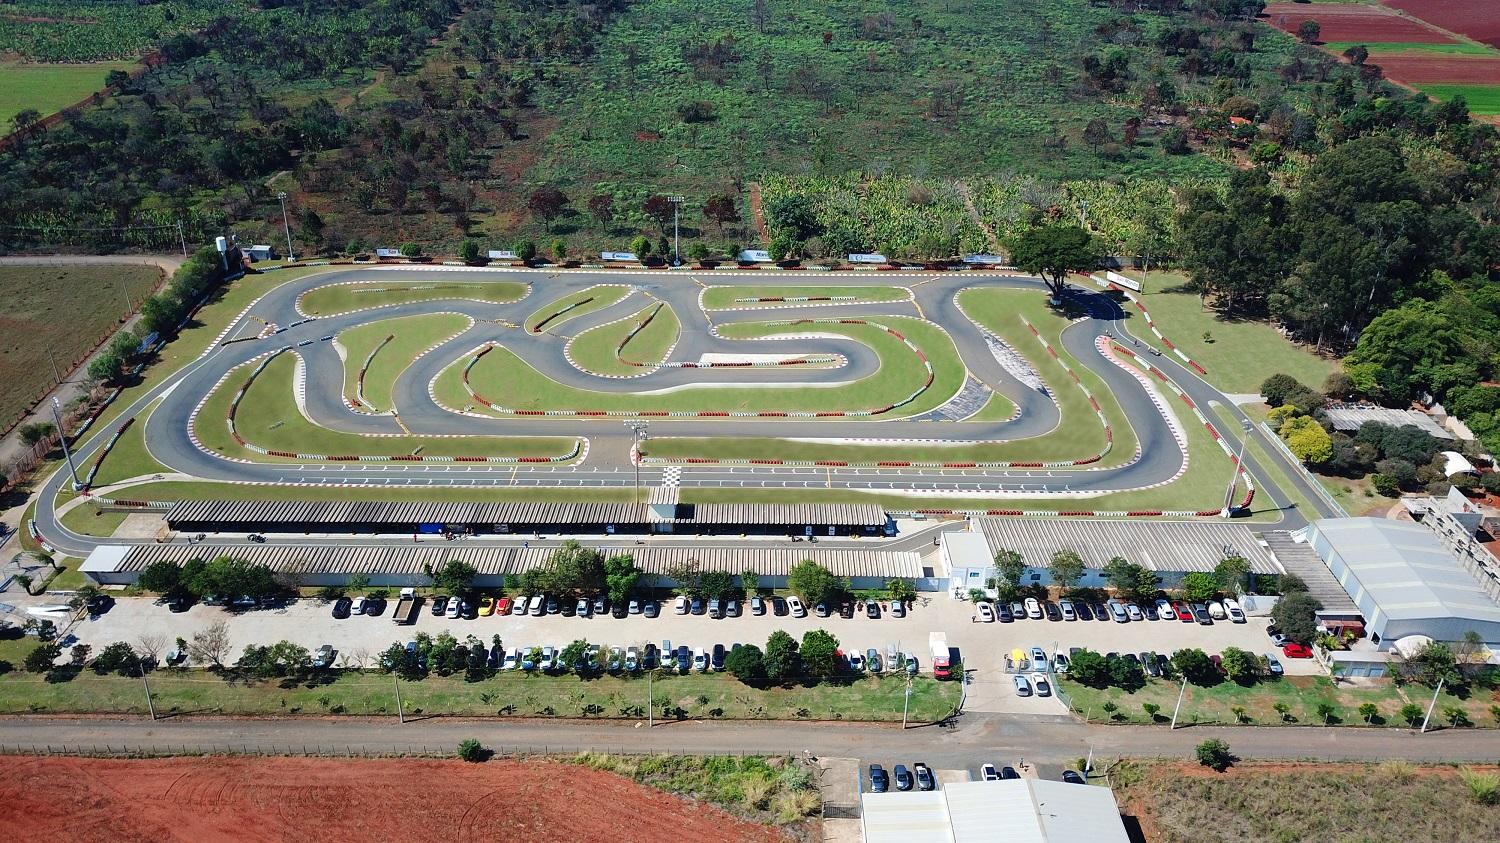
(401, 565)
(1411, 579)
(1023, 810)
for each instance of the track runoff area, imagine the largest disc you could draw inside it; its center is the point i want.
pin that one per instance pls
(961, 390)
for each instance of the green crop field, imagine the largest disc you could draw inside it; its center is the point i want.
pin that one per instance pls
(1482, 99)
(342, 298)
(410, 336)
(45, 88)
(594, 349)
(1376, 48)
(54, 30)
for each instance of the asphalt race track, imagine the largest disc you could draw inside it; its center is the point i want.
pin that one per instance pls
(608, 461)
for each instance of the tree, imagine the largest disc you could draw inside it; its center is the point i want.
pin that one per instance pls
(1131, 580)
(106, 367)
(211, 644)
(813, 582)
(575, 656)
(750, 581)
(602, 208)
(1089, 668)
(42, 658)
(24, 580)
(1296, 615)
(781, 655)
(402, 662)
(358, 582)
(1432, 663)
(1195, 664)
(819, 653)
(900, 590)
(1355, 54)
(1368, 712)
(1227, 242)
(119, 658)
(1307, 439)
(1215, 755)
(794, 217)
(1308, 31)
(525, 251)
(1198, 586)
(1053, 252)
(548, 203)
(1240, 666)
(1067, 569)
(454, 576)
(620, 576)
(573, 567)
(1096, 133)
(640, 247)
(469, 252)
(1326, 711)
(718, 584)
(1233, 574)
(1010, 568)
(472, 751)
(1152, 710)
(34, 432)
(1413, 714)
(720, 209)
(659, 208)
(25, 119)
(1125, 674)
(689, 577)
(283, 658)
(746, 662)
(559, 249)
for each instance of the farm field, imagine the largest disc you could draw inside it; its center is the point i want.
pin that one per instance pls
(353, 800)
(1183, 802)
(1356, 22)
(1475, 19)
(1482, 99)
(1476, 70)
(59, 312)
(47, 88)
(56, 31)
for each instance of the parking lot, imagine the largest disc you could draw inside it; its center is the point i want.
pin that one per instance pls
(982, 647)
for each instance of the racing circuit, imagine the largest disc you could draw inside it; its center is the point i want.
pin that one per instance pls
(933, 385)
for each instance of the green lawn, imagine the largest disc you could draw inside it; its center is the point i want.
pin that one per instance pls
(1301, 694)
(90, 521)
(1243, 353)
(410, 336)
(594, 349)
(1482, 99)
(46, 87)
(356, 693)
(1377, 48)
(582, 302)
(1224, 420)
(501, 376)
(727, 297)
(180, 490)
(129, 458)
(342, 298)
(268, 416)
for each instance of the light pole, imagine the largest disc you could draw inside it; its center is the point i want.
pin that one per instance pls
(1432, 705)
(906, 706)
(62, 436)
(150, 706)
(1083, 214)
(287, 224)
(400, 711)
(1178, 707)
(1239, 464)
(639, 428)
(676, 200)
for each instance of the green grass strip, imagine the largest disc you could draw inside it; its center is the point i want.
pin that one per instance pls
(578, 304)
(342, 298)
(410, 336)
(594, 349)
(728, 297)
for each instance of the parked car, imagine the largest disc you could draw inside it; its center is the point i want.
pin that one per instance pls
(486, 606)
(1073, 777)
(779, 607)
(898, 609)
(715, 608)
(548, 660)
(1002, 611)
(925, 780)
(583, 608)
(680, 605)
(856, 662)
(718, 657)
(879, 781)
(684, 659)
(1293, 650)
(650, 657)
(700, 660)
(323, 658)
(873, 661)
(528, 659)
(872, 610)
(846, 609)
(1053, 613)
(1134, 612)
(1060, 663)
(341, 608)
(523, 605)
(1148, 661)
(512, 660)
(697, 606)
(651, 609)
(453, 608)
(618, 611)
(1183, 610)
(1101, 612)
(1233, 610)
(552, 605)
(176, 655)
(1149, 609)
(536, 605)
(988, 773)
(1023, 688)
(1018, 610)
(357, 607)
(1164, 610)
(798, 610)
(1066, 607)
(616, 659)
(1273, 665)
(1039, 682)
(820, 609)
(374, 606)
(1201, 615)
(503, 606)
(903, 777)
(1033, 608)
(984, 613)
(1038, 657)
(1117, 611)
(758, 607)
(1008, 772)
(732, 608)
(1216, 610)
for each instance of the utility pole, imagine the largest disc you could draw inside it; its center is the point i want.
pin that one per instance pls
(1432, 705)
(1178, 707)
(182, 235)
(1239, 464)
(650, 701)
(639, 428)
(62, 436)
(400, 711)
(56, 374)
(150, 706)
(287, 224)
(906, 706)
(676, 200)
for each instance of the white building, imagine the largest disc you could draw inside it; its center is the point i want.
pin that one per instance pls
(1021, 810)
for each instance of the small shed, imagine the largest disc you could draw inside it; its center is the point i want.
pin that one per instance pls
(261, 253)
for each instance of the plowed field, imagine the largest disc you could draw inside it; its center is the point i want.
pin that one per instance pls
(1366, 24)
(1457, 70)
(243, 799)
(1477, 19)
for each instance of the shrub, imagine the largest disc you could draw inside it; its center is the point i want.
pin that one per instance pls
(1412, 714)
(1214, 754)
(1397, 770)
(411, 250)
(472, 751)
(1483, 787)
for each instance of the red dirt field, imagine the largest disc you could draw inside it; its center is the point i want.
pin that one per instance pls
(1477, 19)
(1339, 22)
(1455, 70)
(210, 799)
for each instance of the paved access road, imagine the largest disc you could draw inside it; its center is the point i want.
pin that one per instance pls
(933, 296)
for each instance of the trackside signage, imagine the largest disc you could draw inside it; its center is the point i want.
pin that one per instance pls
(755, 256)
(867, 258)
(618, 256)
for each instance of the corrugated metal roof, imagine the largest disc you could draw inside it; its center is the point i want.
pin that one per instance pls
(490, 558)
(516, 512)
(1158, 545)
(1406, 570)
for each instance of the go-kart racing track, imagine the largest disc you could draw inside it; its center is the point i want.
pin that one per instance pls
(561, 305)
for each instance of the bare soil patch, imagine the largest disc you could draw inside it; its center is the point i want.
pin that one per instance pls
(1477, 19)
(1353, 22)
(1418, 69)
(205, 799)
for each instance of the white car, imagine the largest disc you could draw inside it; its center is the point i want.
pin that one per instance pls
(1216, 610)
(632, 659)
(680, 605)
(1039, 682)
(455, 606)
(549, 658)
(856, 663)
(1164, 610)
(1134, 612)
(1033, 609)
(512, 660)
(1232, 608)
(986, 613)
(357, 607)
(988, 773)
(1023, 688)
(700, 660)
(1068, 612)
(521, 604)
(537, 604)
(798, 610)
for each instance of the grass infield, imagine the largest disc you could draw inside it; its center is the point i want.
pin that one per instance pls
(342, 298)
(552, 314)
(594, 350)
(410, 336)
(729, 297)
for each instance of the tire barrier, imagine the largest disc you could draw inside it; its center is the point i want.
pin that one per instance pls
(1135, 300)
(480, 352)
(36, 536)
(88, 481)
(543, 324)
(298, 455)
(794, 299)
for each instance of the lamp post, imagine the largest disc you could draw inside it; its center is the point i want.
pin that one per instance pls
(676, 200)
(639, 428)
(287, 224)
(62, 437)
(1239, 464)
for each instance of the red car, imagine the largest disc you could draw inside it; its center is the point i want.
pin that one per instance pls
(1293, 650)
(502, 606)
(1184, 614)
